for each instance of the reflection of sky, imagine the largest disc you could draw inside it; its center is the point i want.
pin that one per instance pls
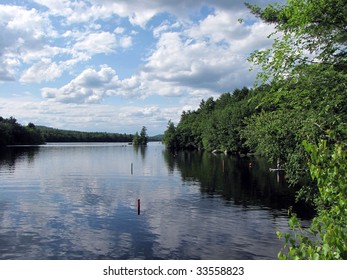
(81, 202)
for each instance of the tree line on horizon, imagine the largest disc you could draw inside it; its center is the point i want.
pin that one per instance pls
(60, 135)
(13, 133)
(296, 116)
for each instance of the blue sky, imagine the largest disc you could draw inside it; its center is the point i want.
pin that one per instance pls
(115, 66)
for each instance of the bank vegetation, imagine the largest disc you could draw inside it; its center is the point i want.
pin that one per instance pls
(296, 117)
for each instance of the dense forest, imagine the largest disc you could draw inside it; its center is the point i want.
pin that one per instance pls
(216, 124)
(296, 117)
(60, 135)
(13, 133)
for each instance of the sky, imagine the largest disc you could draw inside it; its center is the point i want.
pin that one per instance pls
(115, 66)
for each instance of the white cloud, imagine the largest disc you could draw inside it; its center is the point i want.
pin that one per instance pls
(29, 34)
(89, 117)
(26, 24)
(199, 60)
(29, 39)
(84, 11)
(89, 87)
(119, 30)
(93, 86)
(45, 70)
(138, 12)
(209, 57)
(22, 31)
(8, 67)
(93, 43)
(125, 42)
(72, 11)
(183, 59)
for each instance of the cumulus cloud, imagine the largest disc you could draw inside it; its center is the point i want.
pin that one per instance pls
(125, 42)
(84, 11)
(30, 35)
(71, 11)
(29, 39)
(22, 31)
(101, 42)
(138, 12)
(89, 87)
(92, 86)
(45, 70)
(191, 50)
(208, 57)
(89, 117)
(8, 67)
(201, 59)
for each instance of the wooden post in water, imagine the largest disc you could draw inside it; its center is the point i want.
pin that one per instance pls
(131, 168)
(138, 206)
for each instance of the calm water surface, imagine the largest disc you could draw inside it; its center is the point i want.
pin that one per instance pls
(79, 201)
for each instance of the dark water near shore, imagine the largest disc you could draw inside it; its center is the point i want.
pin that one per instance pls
(79, 201)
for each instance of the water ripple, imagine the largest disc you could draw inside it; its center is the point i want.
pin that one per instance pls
(80, 202)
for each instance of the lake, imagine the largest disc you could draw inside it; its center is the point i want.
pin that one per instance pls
(80, 201)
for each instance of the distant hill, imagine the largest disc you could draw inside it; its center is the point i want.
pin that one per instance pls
(155, 138)
(60, 135)
(13, 133)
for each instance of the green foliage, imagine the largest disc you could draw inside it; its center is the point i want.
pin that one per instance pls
(307, 32)
(216, 124)
(295, 110)
(136, 138)
(303, 94)
(141, 139)
(307, 67)
(12, 133)
(143, 136)
(60, 135)
(327, 236)
(170, 136)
